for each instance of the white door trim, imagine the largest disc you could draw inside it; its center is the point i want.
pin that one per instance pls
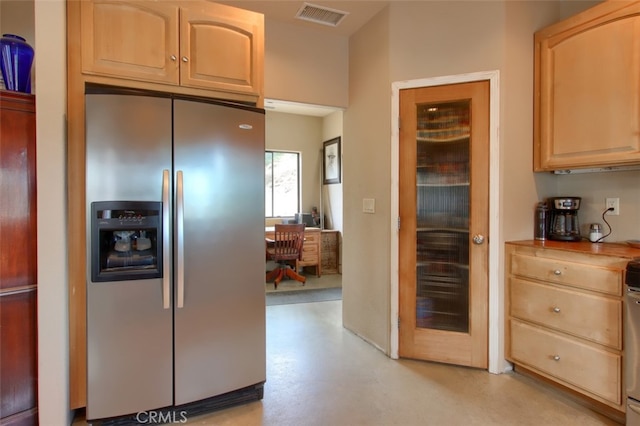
(495, 311)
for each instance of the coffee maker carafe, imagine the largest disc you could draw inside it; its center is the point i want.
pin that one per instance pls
(564, 225)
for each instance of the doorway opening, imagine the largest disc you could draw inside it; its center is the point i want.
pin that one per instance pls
(303, 128)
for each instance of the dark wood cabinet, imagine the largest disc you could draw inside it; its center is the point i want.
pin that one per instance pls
(18, 262)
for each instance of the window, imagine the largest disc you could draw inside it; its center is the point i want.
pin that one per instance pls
(282, 183)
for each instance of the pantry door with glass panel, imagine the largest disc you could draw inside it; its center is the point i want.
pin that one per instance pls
(444, 223)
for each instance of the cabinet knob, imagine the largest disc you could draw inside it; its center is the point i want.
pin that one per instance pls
(557, 272)
(478, 239)
(173, 57)
(185, 59)
(556, 357)
(556, 310)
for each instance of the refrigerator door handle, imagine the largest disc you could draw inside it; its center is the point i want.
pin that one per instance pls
(166, 273)
(633, 407)
(180, 239)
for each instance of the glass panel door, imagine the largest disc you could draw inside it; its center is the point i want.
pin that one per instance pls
(444, 223)
(442, 216)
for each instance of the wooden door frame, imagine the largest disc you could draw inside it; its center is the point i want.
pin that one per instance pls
(496, 311)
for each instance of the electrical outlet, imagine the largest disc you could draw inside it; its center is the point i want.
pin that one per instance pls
(613, 203)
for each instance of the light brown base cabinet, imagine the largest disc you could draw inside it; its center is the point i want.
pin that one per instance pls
(311, 250)
(564, 305)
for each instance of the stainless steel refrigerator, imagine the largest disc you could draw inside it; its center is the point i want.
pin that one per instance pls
(175, 254)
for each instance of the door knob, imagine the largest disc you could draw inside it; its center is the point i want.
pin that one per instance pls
(478, 239)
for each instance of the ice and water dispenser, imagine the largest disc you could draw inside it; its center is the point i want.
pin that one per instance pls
(126, 240)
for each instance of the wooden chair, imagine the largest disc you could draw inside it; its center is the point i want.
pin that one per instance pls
(285, 249)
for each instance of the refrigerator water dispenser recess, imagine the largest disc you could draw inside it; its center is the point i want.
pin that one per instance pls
(126, 240)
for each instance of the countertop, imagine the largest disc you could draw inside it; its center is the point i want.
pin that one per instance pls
(607, 249)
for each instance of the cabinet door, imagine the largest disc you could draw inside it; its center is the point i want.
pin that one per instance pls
(221, 48)
(130, 39)
(444, 205)
(581, 314)
(18, 358)
(18, 232)
(571, 361)
(587, 94)
(18, 262)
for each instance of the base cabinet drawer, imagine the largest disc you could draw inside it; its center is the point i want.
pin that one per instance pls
(576, 363)
(585, 315)
(582, 275)
(311, 250)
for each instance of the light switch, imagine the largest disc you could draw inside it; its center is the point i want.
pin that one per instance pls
(368, 205)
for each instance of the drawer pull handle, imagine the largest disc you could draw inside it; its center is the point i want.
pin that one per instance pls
(185, 59)
(556, 310)
(556, 357)
(173, 57)
(557, 272)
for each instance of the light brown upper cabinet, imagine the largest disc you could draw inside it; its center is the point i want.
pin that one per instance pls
(587, 90)
(194, 44)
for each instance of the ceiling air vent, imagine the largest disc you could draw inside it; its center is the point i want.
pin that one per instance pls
(321, 15)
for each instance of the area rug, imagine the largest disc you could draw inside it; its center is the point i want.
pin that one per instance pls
(306, 296)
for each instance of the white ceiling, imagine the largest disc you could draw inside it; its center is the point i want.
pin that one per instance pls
(359, 12)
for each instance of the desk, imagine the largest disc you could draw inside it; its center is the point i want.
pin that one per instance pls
(311, 250)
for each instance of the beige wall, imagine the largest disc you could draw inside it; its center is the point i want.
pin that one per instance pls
(299, 133)
(17, 17)
(413, 40)
(332, 194)
(366, 156)
(305, 65)
(53, 354)
(305, 134)
(594, 188)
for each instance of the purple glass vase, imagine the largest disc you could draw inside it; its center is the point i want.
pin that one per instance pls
(16, 58)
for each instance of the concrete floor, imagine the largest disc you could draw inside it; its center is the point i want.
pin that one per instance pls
(320, 374)
(313, 282)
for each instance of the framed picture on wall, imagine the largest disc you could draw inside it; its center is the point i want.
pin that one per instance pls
(331, 161)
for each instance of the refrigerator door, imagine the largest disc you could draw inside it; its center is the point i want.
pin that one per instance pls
(129, 333)
(632, 342)
(220, 309)
(633, 413)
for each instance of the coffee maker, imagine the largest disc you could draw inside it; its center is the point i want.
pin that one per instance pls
(564, 224)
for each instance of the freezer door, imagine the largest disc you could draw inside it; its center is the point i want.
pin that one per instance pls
(129, 331)
(633, 412)
(128, 144)
(220, 328)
